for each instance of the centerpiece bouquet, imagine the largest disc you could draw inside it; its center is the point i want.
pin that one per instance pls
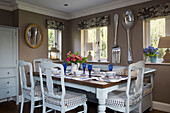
(75, 58)
(152, 53)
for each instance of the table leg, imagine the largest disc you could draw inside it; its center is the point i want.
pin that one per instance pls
(101, 96)
(102, 107)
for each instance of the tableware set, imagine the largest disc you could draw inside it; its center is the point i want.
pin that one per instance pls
(90, 68)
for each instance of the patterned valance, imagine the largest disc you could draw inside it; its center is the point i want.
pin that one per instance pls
(154, 11)
(51, 24)
(94, 22)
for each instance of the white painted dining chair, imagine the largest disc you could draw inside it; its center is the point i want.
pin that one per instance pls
(32, 93)
(131, 99)
(61, 101)
(39, 61)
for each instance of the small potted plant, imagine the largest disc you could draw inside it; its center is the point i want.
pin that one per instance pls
(75, 60)
(152, 53)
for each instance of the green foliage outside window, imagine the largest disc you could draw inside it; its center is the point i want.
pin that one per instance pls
(157, 30)
(103, 41)
(50, 38)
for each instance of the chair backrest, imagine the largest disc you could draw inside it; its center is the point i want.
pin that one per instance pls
(48, 66)
(23, 78)
(135, 90)
(39, 61)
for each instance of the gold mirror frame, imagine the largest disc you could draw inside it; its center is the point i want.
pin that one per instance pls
(28, 31)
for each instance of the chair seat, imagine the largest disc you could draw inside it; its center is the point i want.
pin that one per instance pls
(146, 88)
(118, 98)
(37, 91)
(71, 99)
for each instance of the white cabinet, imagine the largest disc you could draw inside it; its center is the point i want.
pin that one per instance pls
(9, 63)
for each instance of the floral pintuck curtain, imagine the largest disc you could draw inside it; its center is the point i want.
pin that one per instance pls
(154, 11)
(94, 22)
(51, 24)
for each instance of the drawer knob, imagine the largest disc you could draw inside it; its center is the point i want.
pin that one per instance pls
(7, 91)
(8, 72)
(7, 82)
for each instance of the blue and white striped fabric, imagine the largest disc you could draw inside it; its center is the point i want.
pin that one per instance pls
(118, 98)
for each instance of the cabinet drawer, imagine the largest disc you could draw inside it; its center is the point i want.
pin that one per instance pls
(8, 72)
(7, 82)
(8, 92)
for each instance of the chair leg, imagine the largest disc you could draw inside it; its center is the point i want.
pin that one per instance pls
(44, 109)
(22, 104)
(85, 107)
(32, 106)
(140, 107)
(127, 108)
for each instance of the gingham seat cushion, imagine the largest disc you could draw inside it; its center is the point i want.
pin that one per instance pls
(71, 99)
(118, 98)
(37, 91)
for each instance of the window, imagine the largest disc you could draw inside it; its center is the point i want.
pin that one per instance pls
(98, 38)
(54, 38)
(155, 28)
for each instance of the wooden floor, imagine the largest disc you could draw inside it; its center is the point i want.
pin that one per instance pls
(10, 107)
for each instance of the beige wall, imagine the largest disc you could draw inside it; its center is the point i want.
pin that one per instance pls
(161, 91)
(162, 77)
(29, 54)
(6, 18)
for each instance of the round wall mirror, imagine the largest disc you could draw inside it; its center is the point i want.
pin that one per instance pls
(33, 36)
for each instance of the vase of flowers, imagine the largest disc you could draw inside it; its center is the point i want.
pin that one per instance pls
(152, 53)
(75, 60)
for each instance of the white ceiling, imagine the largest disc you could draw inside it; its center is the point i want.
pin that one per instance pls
(73, 5)
(75, 8)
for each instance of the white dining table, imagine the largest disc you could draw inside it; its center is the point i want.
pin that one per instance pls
(99, 88)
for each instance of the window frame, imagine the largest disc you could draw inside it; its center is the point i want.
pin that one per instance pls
(57, 39)
(146, 30)
(84, 39)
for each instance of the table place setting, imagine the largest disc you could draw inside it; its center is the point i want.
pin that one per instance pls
(92, 75)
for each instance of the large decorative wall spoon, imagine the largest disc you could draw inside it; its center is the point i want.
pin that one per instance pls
(127, 22)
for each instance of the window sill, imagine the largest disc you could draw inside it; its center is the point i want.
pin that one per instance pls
(148, 63)
(58, 61)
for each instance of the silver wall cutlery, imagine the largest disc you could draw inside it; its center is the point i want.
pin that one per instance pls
(127, 22)
(116, 49)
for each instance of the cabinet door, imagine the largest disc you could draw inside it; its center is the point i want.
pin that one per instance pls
(8, 47)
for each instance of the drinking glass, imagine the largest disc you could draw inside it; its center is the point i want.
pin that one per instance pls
(89, 68)
(84, 67)
(110, 66)
(65, 67)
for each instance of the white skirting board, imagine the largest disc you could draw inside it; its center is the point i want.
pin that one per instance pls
(161, 106)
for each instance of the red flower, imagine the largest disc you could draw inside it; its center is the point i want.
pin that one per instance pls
(80, 58)
(69, 53)
(73, 59)
(68, 59)
(73, 56)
